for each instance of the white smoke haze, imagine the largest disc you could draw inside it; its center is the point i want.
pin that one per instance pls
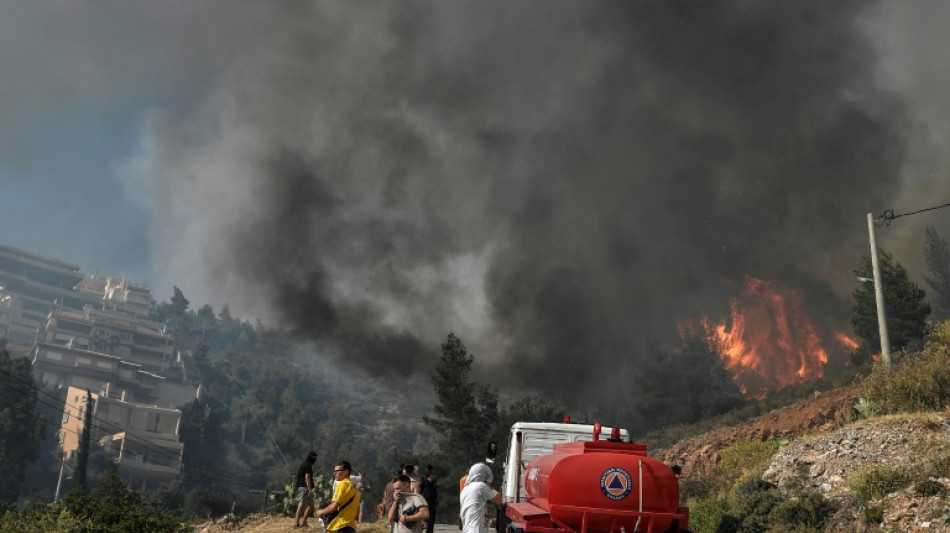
(557, 183)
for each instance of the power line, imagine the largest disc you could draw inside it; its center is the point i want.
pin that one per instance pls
(148, 446)
(187, 467)
(143, 442)
(258, 418)
(888, 216)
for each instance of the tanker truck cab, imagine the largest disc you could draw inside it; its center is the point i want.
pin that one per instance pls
(528, 440)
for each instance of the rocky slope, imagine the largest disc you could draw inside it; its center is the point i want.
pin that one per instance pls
(825, 449)
(700, 455)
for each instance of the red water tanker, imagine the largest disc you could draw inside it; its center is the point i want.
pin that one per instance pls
(598, 487)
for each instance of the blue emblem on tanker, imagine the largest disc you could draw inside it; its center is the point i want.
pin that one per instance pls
(616, 483)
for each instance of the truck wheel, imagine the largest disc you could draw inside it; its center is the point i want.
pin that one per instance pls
(501, 519)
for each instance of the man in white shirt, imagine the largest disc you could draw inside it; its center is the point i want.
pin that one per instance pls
(409, 510)
(474, 499)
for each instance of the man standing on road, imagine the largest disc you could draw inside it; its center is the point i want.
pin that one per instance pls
(474, 499)
(305, 490)
(345, 503)
(409, 510)
(429, 489)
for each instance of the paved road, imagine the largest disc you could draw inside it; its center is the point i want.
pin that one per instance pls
(452, 528)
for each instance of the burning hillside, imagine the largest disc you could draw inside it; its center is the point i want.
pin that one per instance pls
(769, 342)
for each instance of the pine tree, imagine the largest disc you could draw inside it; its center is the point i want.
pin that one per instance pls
(905, 306)
(466, 412)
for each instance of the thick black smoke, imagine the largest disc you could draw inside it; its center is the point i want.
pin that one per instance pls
(559, 183)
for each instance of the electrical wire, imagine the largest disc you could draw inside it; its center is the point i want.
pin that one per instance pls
(144, 443)
(258, 417)
(888, 216)
(148, 446)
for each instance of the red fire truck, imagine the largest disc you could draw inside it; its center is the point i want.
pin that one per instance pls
(564, 478)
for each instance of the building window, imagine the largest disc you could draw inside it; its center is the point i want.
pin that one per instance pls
(160, 459)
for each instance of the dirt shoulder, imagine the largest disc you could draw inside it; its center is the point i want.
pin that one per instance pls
(825, 411)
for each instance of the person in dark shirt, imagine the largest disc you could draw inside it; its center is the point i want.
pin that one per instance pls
(429, 489)
(305, 490)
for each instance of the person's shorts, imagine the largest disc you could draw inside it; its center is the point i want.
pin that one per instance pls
(303, 495)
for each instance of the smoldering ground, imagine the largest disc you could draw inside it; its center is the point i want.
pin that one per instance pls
(557, 183)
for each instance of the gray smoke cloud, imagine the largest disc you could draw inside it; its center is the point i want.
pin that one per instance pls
(560, 183)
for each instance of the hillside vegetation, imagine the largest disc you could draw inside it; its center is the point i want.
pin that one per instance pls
(881, 464)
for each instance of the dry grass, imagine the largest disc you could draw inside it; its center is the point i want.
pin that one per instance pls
(274, 524)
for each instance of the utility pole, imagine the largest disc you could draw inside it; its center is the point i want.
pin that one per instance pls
(59, 482)
(879, 296)
(82, 459)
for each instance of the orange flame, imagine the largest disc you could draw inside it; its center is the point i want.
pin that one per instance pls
(771, 343)
(847, 341)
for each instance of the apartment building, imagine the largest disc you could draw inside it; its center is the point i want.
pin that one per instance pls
(142, 439)
(29, 286)
(135, 412)
(65, 366)
(32, 286)
(117, 294)
(128, 337)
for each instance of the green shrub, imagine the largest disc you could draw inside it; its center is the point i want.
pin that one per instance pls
(705, 514)
(929, 488)
(866, 408)
(691, 489)
(918, 382)
(752, 509)
(745, 457)
(874, 482)
(874, 514)
(112, 508)
(204, 502)
(809, 510)
(940, 467)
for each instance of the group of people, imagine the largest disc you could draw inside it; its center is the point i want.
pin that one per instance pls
(342, 512)
(410, 502)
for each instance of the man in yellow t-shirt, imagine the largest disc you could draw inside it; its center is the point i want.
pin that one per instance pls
(345, 501)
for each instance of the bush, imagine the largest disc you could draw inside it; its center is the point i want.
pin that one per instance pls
(206, 503)
(112, 508)
(929, 488)
(752, 510)
(705, 514)
(874, 482)
(693, 489)
(874, 514)
(809, 510)
(940, 467)
(918, 382)
(746, 457)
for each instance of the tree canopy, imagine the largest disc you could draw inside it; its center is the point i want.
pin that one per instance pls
(937, 256)
(466, 412)
(905, 305)
(21, 429)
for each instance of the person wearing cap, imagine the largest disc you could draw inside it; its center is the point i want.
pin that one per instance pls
(474, 498)
(305, 490)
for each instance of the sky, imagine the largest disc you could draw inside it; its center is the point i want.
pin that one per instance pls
(560, 187)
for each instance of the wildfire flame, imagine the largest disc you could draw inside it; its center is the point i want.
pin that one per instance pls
(847, 341)
(769, 342)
